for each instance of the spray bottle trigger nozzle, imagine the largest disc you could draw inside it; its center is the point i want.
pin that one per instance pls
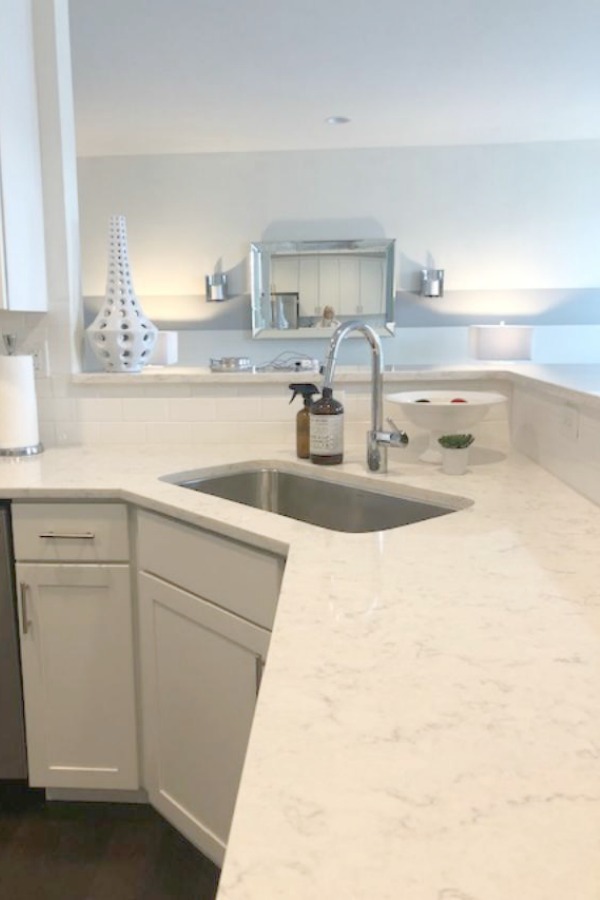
(305, 389)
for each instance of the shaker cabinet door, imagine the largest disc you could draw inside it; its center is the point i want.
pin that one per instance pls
(78, 675)
(201, 668)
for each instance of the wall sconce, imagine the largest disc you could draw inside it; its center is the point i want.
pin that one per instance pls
(501, 342)
(216, 286)
(432, 283)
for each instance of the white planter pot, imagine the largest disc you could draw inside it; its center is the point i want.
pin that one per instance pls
(455, 460)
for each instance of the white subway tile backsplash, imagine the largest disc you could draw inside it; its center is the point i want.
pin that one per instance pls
(213, 390)
(126, 391)
(63, 387)
(117, 432)
(278, 408)
(271, 434)
(43, 388)
(166, 433)
(561, 437)
(239, 409)
(100, 409)
(358, 406)
(192, 409)
(45, 408)
(168, 390)
(274, 390)
(59, 409)
(256, 414)
(145, 409)
(69, 433)
(48, 434)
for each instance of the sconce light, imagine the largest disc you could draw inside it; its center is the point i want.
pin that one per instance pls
(432, 283)
(216, 286)
(501, 342)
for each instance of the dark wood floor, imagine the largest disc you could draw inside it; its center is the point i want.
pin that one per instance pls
(96, 851)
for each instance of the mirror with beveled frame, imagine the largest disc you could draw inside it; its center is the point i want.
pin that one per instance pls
(304, 289)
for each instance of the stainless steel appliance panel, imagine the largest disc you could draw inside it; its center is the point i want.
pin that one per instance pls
(13, 757)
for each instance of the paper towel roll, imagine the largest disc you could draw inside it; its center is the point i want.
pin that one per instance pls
(19, 430)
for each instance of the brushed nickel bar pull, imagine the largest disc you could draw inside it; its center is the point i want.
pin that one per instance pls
(23, 588)
(68, 536)
(260, 665)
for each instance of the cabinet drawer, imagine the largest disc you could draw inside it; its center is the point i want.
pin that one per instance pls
(74, 532)
(234, 575)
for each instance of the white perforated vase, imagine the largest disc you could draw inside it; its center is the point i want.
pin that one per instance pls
(120, 336)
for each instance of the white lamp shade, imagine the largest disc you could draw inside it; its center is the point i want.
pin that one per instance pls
(502, 342)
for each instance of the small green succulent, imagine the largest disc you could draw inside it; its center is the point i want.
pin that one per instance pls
(456, 441)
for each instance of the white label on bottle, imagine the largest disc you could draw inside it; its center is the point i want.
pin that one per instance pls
(327, 435)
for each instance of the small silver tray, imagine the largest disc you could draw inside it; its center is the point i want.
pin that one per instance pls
(230, 364)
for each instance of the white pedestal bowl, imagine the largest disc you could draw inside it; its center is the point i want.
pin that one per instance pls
(444, 412)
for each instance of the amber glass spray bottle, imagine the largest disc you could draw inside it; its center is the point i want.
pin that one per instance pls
(303, 418)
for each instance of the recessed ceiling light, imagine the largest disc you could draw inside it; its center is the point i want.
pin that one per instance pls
(337, 120)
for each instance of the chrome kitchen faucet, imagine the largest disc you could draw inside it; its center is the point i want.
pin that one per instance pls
(378, 440)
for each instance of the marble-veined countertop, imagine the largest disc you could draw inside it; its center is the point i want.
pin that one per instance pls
(428, 726)
(583, 380)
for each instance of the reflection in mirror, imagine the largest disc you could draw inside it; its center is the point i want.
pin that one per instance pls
(306, 288)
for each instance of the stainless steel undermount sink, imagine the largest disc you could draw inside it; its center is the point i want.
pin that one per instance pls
(327, 500)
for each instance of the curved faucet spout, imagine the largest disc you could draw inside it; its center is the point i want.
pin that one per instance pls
(341, 332)
(378, 440)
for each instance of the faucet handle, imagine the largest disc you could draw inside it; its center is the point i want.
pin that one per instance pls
(397, 436)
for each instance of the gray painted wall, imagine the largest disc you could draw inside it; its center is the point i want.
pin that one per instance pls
(516, 227)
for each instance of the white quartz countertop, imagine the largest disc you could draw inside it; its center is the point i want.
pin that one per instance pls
(583, 380)
(428, 726)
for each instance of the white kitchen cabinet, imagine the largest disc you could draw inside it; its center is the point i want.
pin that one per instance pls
(372, 287)
(76, 645)
(238, 577)
(352, 286)
(308, 286)
(23, 286)
(201, 669)
(77, 657)
(205, 615)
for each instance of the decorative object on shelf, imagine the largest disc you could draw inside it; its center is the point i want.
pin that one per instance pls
(432, 283)
(216, 287)
(455, 452)
(501, 342)
(166, 349)
(284, 309)
(328, 319)
(230, 364)
(121, 336)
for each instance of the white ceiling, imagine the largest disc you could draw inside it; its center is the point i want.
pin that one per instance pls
(177, 76)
